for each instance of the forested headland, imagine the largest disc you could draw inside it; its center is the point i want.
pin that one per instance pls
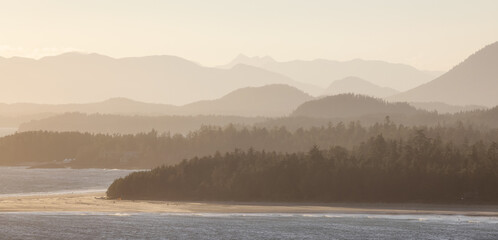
(381, 169)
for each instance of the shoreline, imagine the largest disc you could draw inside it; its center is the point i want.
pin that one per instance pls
(93, 202)
(52, 165)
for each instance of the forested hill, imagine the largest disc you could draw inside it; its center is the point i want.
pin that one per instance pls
(152, 149)
(352, 105)
(274, 100)
(419, 169)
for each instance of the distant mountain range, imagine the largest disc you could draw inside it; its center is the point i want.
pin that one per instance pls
(474, 81)
(123, 106)
(78, 78)
(267, 101)
(358, 86)
(322, 72)
(345, 108)
(271, 101)
(266, 89)
(275, 100)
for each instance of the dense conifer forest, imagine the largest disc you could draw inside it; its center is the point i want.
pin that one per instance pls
(147, 150)
(417, 169)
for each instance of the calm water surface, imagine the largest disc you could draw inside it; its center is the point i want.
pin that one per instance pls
(24, 181)
(243, 226)
(91, 225)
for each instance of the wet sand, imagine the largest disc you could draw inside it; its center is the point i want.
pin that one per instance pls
(94, 202)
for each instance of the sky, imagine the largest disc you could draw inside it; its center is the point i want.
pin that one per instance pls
(427, 34)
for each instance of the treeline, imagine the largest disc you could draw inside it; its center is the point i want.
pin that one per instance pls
(147, 150)
(418, 169)
(353, 105)
(316, 113)
(126, 124)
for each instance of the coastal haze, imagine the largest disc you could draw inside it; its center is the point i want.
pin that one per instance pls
(241, 120)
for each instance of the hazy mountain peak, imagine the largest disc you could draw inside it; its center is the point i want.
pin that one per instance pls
(353, 79)
(255, 61)
(473, 81)
(162, 62)
(162, 57)
(76, 55)
(357, 85)
(267, 90)
(82, 78)
(120, 100)
(253, 72)
(482, 56)
(320, 72)
(274, 100)
(17, 59)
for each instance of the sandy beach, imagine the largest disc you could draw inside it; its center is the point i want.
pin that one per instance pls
(93, 202)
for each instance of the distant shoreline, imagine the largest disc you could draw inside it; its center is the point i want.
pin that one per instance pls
(93, 202)
(60, 166)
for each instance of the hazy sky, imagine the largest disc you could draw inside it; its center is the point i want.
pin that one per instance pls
(429, 34)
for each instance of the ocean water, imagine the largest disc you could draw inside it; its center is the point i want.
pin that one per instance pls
(116, 225)
(19, 181)
(243, 226)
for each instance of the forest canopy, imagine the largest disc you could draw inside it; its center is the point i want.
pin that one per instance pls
(147, 150)
(418, 169)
